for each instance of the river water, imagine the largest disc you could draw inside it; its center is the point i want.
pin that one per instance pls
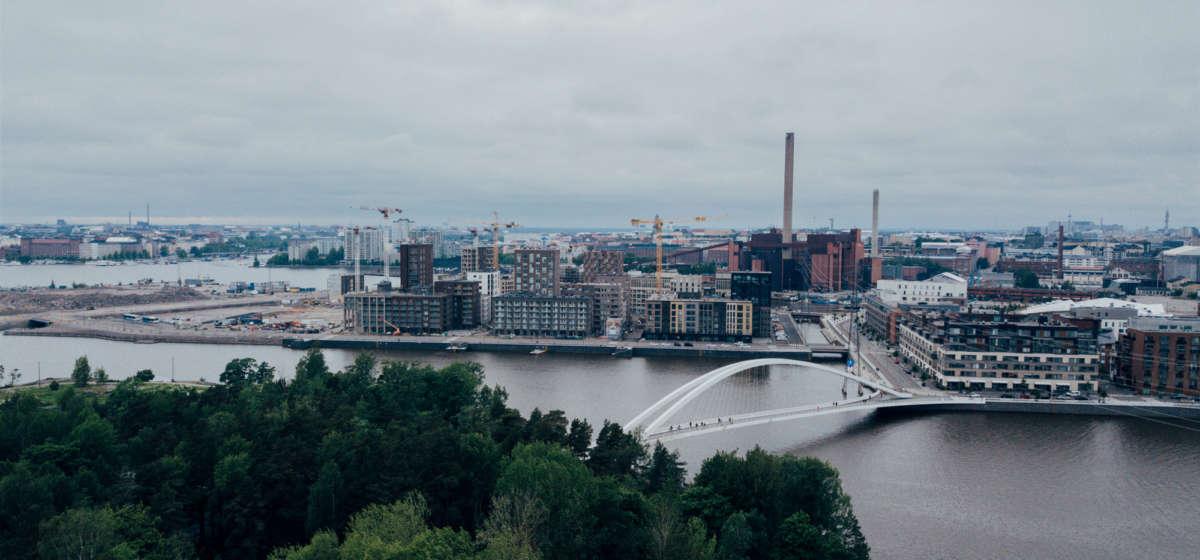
(223, 271)
(947, 485)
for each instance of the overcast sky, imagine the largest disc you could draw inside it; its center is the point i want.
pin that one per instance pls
(962, 116)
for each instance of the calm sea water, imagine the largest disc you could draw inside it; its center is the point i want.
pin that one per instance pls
(948, 485)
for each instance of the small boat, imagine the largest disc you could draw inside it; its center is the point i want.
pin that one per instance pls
(623, 352)
(539, 351)
(456, 348)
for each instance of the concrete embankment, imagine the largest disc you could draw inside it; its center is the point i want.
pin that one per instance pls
(1139, 409)
(557, 347)
(181, 337)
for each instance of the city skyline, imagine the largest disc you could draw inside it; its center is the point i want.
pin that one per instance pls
(959, 115)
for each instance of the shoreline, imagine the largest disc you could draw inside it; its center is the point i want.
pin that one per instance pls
(620, 349)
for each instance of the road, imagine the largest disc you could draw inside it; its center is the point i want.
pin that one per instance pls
(879, 360)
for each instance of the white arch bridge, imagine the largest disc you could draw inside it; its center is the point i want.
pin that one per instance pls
(653, 422)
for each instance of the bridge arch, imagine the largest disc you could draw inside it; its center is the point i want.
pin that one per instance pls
(687, 392)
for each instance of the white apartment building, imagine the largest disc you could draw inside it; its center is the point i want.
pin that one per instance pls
(299, 248)
(374, 242)
(489, 287)
(944, 288)
(975, 369)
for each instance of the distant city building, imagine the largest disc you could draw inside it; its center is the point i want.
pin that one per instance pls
(388, 312)
(340, 285)
(489, 287)
(946, 287)
(699, 319)
(570, 274)
(452, 305)
(522, 314)
(465, 302)
(298, 249)
(754, 287)
(608, 303)
(881, 317)
(835, 260)
(601, 264)
(536, 272)
(1160, 355)
(477, 259)
(416, 267)
(374, 243)
(1182, 263)
(49, 248)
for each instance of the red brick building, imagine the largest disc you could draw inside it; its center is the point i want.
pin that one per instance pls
(49, 248)
(1160, 355)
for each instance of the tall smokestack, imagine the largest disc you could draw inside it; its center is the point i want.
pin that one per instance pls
(1060, 251)
(875, 224)
(790, 146)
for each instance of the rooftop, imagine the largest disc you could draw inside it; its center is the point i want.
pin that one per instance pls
(1063, 305)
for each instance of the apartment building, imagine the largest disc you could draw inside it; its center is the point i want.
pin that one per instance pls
(975, 352)
(1160, 355)
(523, 314)
(536, 272)
(722, 320)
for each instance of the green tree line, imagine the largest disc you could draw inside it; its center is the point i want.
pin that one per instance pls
(312, 257)
(391, 460)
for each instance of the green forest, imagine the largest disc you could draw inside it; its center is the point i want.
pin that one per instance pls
(381, 460)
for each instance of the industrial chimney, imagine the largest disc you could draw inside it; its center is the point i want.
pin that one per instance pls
(1061, 272)
(789, 148)
(875, 224)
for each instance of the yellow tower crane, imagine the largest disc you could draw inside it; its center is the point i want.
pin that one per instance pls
(657, 223)
(496, 224)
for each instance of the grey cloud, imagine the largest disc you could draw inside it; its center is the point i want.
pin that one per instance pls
(564, 114)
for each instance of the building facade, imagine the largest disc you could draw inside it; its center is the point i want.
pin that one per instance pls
(754, 287)
(1181, 263)
(973, 353)
(521, 314)
(943, 288)
(372, 249)
(536, 272)
(416, 266)
(49, 248)
(388, 312)
(1160, 355)
(699, 319)
(601, 264)
(489, 287)
(466, 310)
(298, 249)
(608, 303)
(480, 258)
